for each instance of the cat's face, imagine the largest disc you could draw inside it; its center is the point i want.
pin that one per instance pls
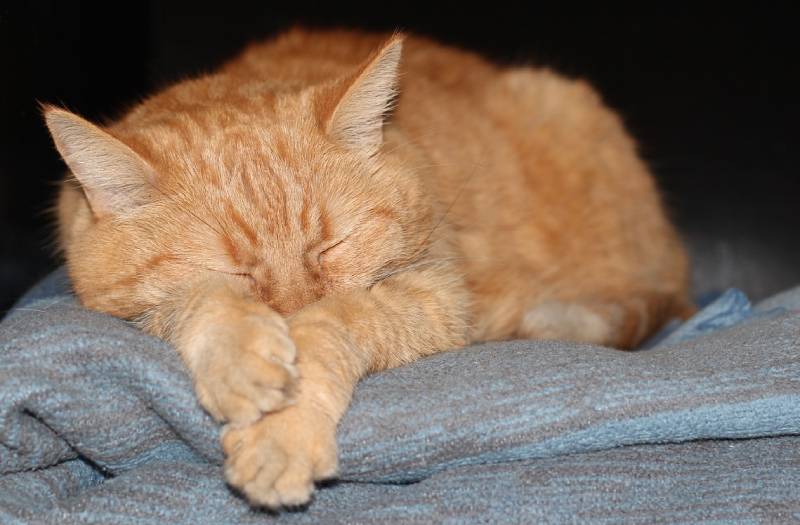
(289, 200)
(287, 212)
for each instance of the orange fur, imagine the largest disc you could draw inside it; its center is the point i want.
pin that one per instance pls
(321, 208)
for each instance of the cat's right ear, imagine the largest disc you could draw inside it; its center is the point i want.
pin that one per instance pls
(353, 110)
(114, 178)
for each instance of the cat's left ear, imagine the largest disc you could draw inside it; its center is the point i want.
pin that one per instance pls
(114, 178)
(353, 110)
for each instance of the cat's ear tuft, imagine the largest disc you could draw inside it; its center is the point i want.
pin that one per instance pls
(353, 110)
(114, 178)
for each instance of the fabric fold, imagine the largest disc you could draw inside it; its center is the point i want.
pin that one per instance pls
(88, 393)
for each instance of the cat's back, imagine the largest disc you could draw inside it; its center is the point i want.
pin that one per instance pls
(304, 57)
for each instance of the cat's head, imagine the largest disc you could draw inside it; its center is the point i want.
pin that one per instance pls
(288, 194)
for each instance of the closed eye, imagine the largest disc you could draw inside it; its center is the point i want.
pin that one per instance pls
(243, 275)
(330, 247)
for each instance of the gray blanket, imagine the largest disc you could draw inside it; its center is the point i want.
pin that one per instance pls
(99, 424)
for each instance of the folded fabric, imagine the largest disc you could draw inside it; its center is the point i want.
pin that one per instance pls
(98, 423)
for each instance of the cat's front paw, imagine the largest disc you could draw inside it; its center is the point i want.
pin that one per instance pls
(245, 366)
(275, 461)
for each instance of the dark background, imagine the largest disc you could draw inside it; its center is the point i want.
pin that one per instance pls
(712, 97)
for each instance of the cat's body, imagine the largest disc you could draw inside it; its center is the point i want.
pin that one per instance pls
(288, 237)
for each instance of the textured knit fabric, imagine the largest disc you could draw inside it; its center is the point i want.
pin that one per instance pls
(99, 424)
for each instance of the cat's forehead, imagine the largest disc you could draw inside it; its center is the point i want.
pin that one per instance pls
(207, 112)
(253, 145)
(232, 143)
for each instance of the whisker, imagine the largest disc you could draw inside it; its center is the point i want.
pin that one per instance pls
(424, 243)
(415, 266)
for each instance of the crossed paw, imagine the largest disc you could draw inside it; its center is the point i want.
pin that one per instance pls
(246, 366)
(275, 461)
(275, 442)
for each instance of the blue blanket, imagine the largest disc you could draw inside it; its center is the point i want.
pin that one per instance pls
(99, 424)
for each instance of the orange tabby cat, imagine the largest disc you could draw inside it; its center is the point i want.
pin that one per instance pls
(330, 204)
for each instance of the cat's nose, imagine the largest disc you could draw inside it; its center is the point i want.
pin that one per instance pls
(298, 293)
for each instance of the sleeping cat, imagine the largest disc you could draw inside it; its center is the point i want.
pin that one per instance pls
(332, 203)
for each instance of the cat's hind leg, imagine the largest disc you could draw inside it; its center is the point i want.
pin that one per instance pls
(620, 323)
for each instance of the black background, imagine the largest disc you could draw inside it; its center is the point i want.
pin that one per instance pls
(711, 96)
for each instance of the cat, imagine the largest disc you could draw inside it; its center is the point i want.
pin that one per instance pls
(335, 203)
